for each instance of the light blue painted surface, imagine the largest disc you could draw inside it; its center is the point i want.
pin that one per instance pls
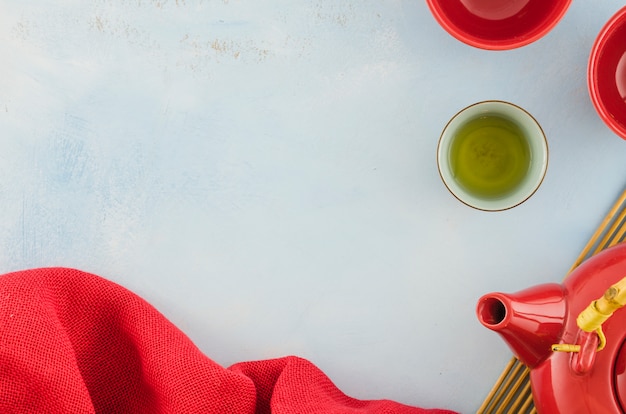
(264, 173)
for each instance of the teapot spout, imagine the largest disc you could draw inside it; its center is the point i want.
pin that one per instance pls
(529, 321)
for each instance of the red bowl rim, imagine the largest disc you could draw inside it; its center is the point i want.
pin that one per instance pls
(481, 43)
(592, 69)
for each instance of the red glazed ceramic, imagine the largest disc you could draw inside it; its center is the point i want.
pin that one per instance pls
(606, 74)
(533, 320)
(498, 24)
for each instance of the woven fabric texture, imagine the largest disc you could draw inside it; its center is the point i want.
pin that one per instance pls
(73, 342)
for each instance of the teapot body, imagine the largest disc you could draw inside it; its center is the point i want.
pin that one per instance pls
(558, 384)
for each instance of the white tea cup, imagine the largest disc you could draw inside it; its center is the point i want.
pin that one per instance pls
(492, 155)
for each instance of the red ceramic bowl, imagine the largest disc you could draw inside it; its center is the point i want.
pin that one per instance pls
(498, 24)
(606, 73)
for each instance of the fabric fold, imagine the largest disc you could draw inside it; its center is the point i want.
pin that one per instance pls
(74, 342)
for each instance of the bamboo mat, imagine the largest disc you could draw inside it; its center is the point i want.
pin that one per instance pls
(511, 392)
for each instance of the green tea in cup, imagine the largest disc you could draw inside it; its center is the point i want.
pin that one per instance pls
(492, 155)
(489, 156)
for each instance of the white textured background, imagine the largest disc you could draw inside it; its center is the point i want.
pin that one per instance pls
(263, 172)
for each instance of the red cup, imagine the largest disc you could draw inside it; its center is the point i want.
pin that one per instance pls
(606, 73)
(498, 24)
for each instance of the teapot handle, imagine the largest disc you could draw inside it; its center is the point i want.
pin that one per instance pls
(598, 311)
(590, 320)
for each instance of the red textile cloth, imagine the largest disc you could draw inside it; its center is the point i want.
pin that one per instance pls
(73, 342)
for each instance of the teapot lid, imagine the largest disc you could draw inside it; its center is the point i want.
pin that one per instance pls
(619, 376)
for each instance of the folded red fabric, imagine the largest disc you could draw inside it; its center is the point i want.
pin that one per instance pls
(73, 342)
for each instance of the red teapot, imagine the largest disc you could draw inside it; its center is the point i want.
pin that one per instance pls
(571, 336)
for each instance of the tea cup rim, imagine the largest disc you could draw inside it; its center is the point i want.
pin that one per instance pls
(592, 71)
(513, 42)
(537, 137)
